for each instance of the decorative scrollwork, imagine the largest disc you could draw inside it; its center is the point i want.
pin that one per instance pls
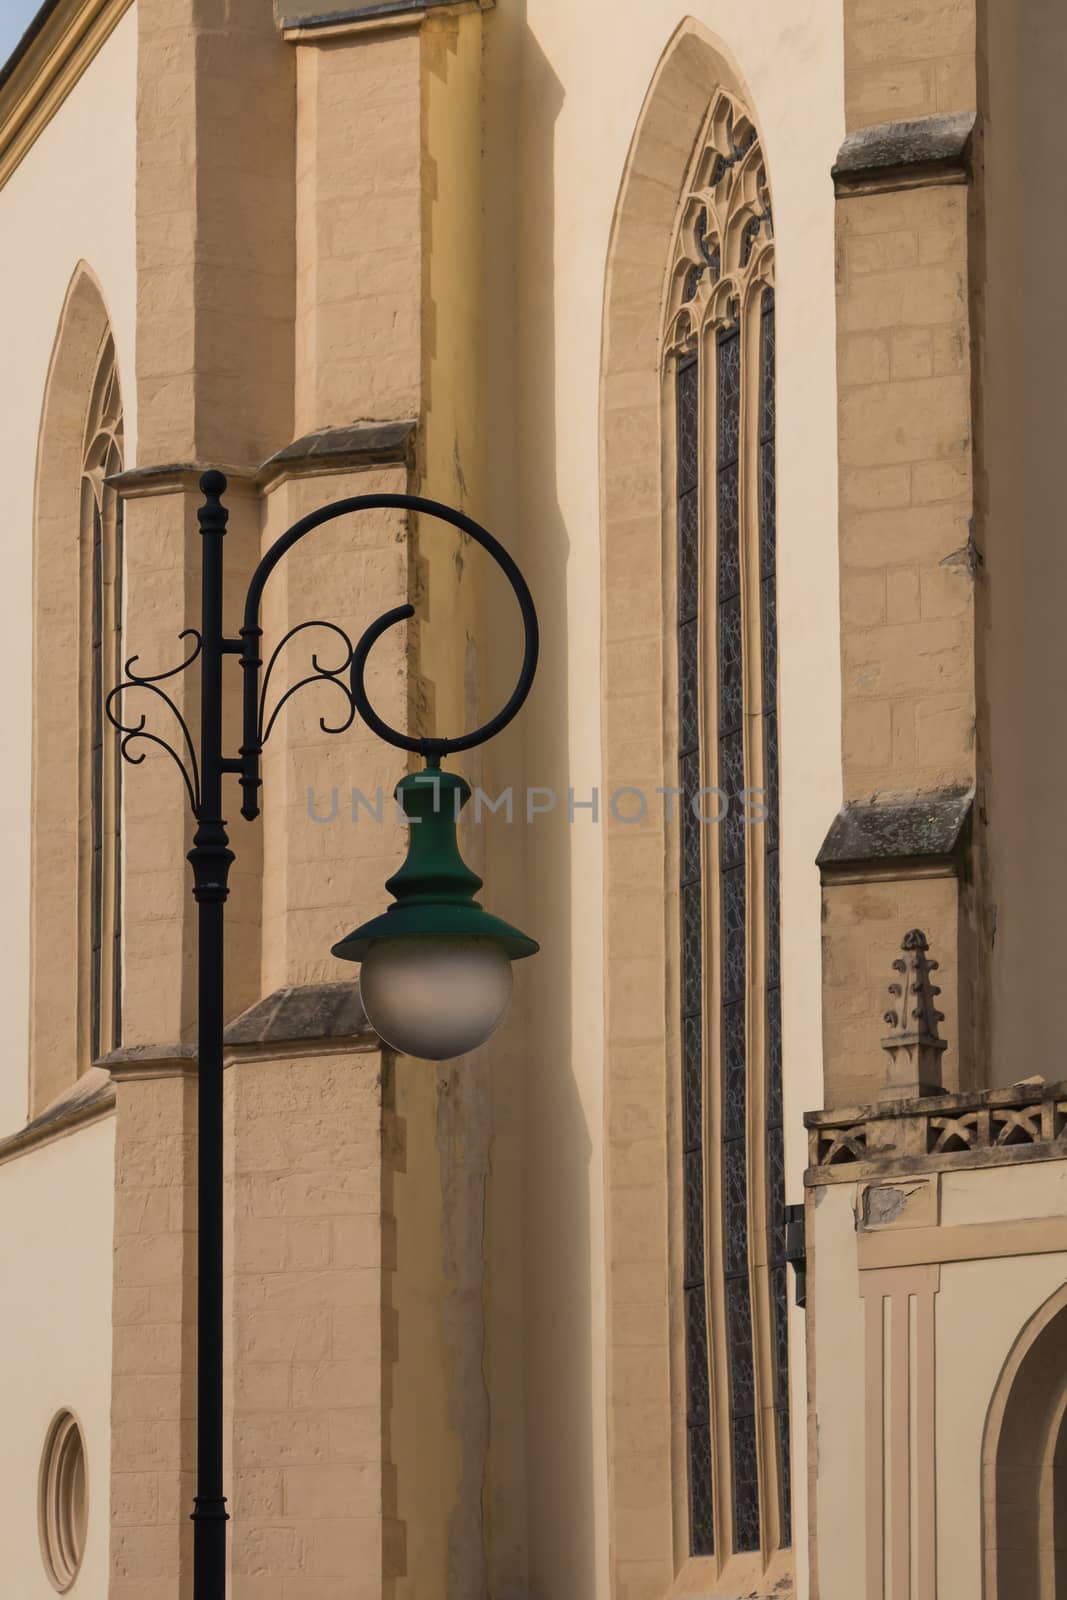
(140, 678)
(431, 749)
(319, 674)
(137, 732)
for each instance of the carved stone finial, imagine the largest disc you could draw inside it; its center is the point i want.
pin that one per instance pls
(913, 1045)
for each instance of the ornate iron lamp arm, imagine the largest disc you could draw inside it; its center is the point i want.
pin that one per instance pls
(251, 633)
(211, 859)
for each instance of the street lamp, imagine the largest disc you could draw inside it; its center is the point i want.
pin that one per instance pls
(435, 967)
(436, 973)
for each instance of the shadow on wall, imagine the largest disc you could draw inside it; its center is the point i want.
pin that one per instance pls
(1022, 390)
(559, 1187)
(543, 1132)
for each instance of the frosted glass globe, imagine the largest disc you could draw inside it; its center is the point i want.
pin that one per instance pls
(435, 998)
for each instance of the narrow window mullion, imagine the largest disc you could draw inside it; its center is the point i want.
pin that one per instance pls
(698, 1381)
(116, 785)
(96, 916)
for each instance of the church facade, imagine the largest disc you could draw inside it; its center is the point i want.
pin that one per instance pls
(736, 1263)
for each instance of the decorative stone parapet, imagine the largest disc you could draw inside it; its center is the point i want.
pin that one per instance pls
(996, 1127)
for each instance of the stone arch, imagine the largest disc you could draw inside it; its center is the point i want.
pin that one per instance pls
(642, 1047)
(61, 797)
(1024, 1464)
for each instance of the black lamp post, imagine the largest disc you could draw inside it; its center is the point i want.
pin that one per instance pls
(436, 968)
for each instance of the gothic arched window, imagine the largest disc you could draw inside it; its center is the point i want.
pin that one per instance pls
(101, 590)
(720, 344)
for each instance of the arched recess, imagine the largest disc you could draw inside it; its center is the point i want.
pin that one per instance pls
(74, 976)
(649, 1463)
(1024, 1465)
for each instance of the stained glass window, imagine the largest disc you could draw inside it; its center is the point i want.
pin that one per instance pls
(772, 991)
(97, 757)
(102, 536)
(721, 338)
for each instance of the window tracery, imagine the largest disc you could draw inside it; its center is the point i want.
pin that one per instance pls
(720, 350)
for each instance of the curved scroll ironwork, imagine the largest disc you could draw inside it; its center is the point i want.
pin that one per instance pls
(431, 749)
(138, 679)
(138, 732)
(318, 674)
(434, 749)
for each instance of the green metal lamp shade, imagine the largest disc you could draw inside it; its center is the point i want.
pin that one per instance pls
(434, 890)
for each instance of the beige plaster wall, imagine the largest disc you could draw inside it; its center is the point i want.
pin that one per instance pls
(566, 87)
(981, 1308)
(837, 1314)
(84, 162)
(55, 1259)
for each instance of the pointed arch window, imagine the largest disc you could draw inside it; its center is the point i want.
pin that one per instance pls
(101, 590)
(720, 343)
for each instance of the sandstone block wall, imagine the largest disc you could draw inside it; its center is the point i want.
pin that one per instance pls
(907, 564)
(153, 1386)
(907, 60)
(909, 559)
(312, 1248)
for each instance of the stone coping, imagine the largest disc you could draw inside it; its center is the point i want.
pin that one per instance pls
(371, 14)
(134, 1061)
(910, 154)
(357, 446)
(311, 1016)
(87, 1100)
(304, 1012)
(913, 835)
(1026, 1121)
(134, 483)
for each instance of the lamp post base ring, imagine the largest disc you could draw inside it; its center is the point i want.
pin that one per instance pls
(209, 1510)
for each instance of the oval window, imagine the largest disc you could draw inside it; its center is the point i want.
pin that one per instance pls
(63, 1500)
